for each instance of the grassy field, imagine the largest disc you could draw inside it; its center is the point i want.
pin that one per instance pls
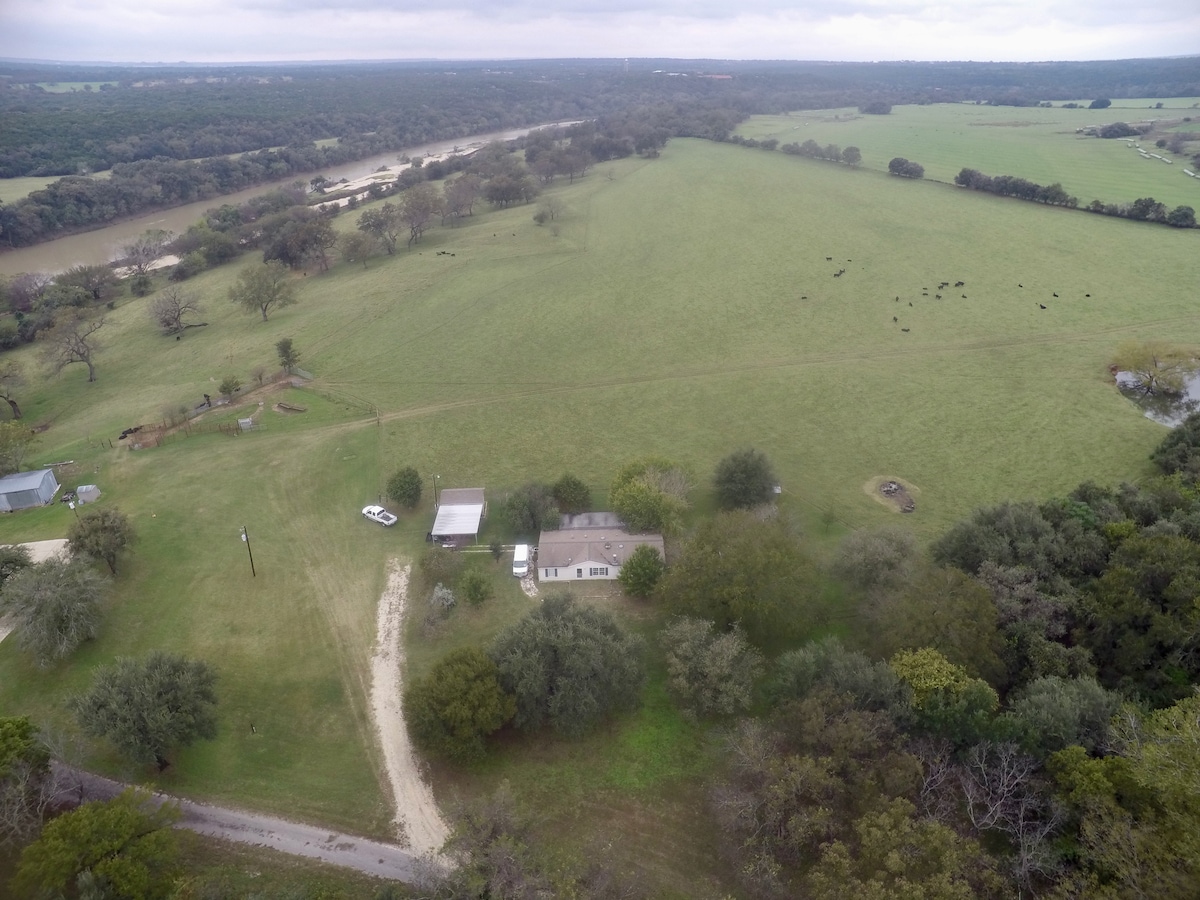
(682, 307)
(65, 87)
(12, 189)
(1031, 142)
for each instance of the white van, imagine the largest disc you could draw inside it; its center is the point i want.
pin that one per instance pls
(521, 560)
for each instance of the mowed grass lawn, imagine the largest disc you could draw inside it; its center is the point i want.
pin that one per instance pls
(1030, 142)
(290, 645)
(683, 307)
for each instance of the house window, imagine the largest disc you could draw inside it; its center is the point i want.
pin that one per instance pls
(599, 572)
(579, 573)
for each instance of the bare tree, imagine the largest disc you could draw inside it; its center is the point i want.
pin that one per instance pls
(142, 253)
(995, 782)
(1157, 367)
(12, 379)
(26, 290)
(74, 341)
(462, 193)
(358, 246)
(998, 782)
(384, 224)
(936, 797)
(26, 787)
(548, 210)
(15, 439)
(417, 209)
(170, 308)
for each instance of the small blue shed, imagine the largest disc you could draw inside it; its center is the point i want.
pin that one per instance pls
(26, 489)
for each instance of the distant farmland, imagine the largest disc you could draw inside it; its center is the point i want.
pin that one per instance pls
(1030, 142)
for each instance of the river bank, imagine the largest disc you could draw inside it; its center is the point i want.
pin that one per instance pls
(100, 246)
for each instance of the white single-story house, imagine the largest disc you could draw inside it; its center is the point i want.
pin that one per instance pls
(459, 512)
(574, 554)
(27, 489)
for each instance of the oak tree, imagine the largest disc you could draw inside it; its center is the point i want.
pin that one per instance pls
(640, 573)
(56, 606)
(458, 704)
(101, 533)
(263, 288)
(384, 224)
(568, 666)
(743, 479)
(147, 707)
(710, 673)
(737, 568)
(123, 848)
(404, 487)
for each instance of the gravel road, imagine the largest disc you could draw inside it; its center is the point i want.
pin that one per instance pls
(348, 851)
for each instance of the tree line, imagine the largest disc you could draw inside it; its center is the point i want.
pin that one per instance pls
(1145, 209)
(185, 137)
(182, 113)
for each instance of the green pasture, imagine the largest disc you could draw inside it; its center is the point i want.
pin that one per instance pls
(12, 189)
(1030, 142)
(290, 644)
(66, 87)
(667, 317)
(682, 307)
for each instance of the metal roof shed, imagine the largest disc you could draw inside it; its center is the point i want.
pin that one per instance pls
(27, 489)
(460, 511)
(87, 493)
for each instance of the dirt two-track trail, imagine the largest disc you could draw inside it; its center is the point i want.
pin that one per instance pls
(417, 816)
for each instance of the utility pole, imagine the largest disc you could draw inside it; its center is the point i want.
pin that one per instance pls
(246, 541)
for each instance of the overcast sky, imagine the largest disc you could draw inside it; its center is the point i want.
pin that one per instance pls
(244, 30)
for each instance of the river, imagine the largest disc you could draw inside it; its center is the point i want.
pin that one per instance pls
(100, 246)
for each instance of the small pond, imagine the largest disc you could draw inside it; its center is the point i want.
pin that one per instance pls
(1169, 410)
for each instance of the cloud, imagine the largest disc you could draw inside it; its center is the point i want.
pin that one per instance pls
(243, 30)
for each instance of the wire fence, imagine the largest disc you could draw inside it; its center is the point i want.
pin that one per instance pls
(160, 436)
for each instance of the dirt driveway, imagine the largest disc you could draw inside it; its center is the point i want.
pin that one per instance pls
(417, 817)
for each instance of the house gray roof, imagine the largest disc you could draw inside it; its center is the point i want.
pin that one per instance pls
(22, 481)
(611, 546)
(607, 520)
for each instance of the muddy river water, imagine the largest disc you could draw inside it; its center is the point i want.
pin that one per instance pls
(103, 244)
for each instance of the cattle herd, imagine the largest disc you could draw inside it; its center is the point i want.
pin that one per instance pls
(942, 285)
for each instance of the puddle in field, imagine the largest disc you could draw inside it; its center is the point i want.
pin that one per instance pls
(1166, 409)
